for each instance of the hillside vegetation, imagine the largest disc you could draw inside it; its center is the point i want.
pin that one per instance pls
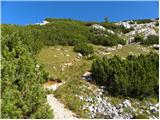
(134, 77)
(65, 49)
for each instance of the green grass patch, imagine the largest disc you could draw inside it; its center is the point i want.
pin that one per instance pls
(124, 52)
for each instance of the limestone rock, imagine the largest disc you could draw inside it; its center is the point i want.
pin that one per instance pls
(99, 27)
(119, 46)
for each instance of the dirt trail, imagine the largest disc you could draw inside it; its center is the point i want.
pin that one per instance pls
(59, 111)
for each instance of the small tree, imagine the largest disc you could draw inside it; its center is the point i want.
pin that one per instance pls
(106, 19)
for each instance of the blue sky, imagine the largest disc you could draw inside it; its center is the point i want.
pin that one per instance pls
(29, 12)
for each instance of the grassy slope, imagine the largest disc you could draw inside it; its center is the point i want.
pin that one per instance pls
(71, 74)
(125, 51)
(54, 57)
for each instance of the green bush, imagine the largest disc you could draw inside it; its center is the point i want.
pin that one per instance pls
(110, 40)
(83, 48)
(116, 28)
(121, 41)
(157, 24)
(109, 25)
(126, 30)
(135, 77)
(59, 32)
(142, 21)
(138, 39)
(90, 23)
(150, 40)
(21, 92)
(140, 116)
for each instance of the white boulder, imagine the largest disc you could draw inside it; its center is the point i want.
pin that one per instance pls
(37, 66)
(157, 105)
(127, 103)
(119, 46)
(110, 31)
(126, 25)
(44, 23)
(155, 46)
(80, 55)
(99, 27)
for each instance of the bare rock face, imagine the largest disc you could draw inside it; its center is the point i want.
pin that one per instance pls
(144, 29)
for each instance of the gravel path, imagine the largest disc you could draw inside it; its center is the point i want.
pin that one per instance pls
(59, 111)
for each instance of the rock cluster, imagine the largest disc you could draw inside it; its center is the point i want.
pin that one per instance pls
(145, 29)
(99, 107)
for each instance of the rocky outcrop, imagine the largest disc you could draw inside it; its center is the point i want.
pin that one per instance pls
(100, 106)
(145, 29)
(98, 27)
(43, 23)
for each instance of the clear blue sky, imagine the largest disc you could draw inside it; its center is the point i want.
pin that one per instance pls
(33, 12)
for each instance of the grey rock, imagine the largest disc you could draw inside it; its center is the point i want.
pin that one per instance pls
(120, 111)
(114, 108)
(127, 103)
(156, 105)
(119, 46)
(153, 109)
(91, 108)
(109, 105)
(113, 114)
(119, 106)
